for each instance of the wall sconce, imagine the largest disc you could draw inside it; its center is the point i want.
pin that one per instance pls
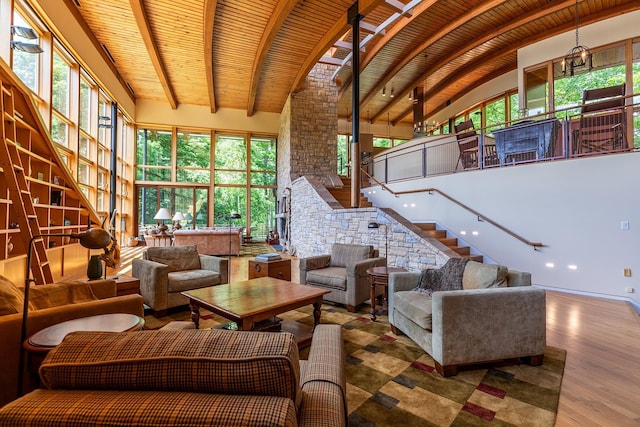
(24, 32)
(26, 47)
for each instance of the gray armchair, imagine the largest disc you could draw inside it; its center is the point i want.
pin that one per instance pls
(496, 316)
(343, 272)
(166, 272)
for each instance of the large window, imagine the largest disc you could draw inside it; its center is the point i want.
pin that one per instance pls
(153, 155)
(608, 70)
(193, 156)
(25, 65)
(60, 99)
(244, 178)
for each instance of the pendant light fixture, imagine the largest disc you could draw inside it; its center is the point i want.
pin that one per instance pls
(578, 57)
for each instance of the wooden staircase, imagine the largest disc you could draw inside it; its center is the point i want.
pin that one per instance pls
(343, 195)
(451, 242)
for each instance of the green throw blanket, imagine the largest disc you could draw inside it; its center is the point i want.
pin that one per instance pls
(446, 278)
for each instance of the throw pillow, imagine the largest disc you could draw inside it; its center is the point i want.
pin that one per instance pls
(178, 258)
(11, 297)
(482, 276)
(446, 278)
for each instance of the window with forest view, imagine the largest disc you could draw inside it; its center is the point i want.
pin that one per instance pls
(153, 155)
(244, 178)
(25, 64)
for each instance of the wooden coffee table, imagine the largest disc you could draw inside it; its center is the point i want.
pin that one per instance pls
(251, 301)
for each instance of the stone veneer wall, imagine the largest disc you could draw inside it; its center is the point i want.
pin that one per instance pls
(307, 139)
(318, 221)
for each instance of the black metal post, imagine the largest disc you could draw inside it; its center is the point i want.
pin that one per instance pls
(354, 18)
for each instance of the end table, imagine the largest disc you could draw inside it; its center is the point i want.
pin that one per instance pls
(379, 276)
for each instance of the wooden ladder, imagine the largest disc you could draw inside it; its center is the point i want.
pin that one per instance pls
(19, 194)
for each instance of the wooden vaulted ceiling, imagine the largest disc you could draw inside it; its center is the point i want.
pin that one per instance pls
(249, 54)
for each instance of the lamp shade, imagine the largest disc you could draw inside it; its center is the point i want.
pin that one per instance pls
(178, 216)
(163, 213)
(373, 225)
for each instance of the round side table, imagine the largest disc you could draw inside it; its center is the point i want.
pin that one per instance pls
(40, 343)
(379, 276)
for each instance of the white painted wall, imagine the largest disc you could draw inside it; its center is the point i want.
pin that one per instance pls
(573, 207)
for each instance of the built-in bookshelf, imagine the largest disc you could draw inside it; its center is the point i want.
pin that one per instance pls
(38, 195)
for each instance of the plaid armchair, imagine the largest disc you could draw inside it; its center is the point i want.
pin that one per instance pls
(343, 272)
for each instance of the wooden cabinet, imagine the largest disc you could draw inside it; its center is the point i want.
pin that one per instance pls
(279, 269)
(38, 195)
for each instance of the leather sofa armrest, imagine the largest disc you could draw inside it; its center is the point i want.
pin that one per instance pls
(217, 264)
(154, 282)
(488, 324)
(313, 263)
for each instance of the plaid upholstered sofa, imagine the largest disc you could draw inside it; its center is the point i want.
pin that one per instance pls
(343, 272)
(497, 315)
(188, 378)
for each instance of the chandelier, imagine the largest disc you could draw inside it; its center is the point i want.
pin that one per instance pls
(578, 57)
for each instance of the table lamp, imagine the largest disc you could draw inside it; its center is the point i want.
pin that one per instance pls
(93, 238)
(162, 215)
(177, 217)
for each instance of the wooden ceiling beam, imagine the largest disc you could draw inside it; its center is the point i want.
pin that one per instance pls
(93, 40)
(389, 35)
(525, 19)
(280, 14)
(334, 33)
(209, 17)
(491, 58)
(139, 12)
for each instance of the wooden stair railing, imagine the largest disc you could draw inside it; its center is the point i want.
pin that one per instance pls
(480, 217)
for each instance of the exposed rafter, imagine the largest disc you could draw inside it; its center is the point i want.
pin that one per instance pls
(476, 42)
(209, 16)
(486, 60)
(280, 13)
(338, 28)
(137, 6)
(417, 50)
(92, 38)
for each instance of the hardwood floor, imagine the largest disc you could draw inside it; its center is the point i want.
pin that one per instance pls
(601, 384)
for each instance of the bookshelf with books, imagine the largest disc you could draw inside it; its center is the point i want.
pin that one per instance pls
(38, 195)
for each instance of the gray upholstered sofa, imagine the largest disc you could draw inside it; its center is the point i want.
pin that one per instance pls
(188, 378)
(343, 272)
(166, 272)
(496, 316)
